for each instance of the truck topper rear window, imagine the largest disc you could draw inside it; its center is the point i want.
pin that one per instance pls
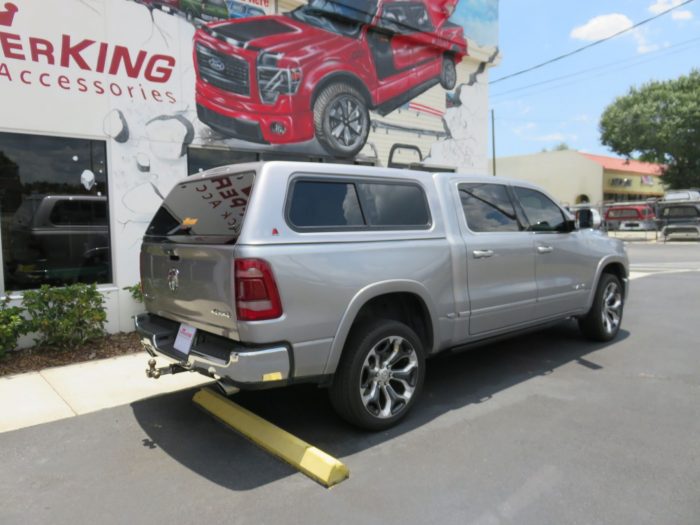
(316, 204)
(204, 210)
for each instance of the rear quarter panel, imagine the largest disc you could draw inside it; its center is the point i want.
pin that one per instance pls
(323, 276)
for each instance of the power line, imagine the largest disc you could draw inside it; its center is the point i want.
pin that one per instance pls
(567, 84)
(592, 44)
(637, 59)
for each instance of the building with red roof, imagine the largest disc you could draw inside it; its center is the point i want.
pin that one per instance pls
(575, 177)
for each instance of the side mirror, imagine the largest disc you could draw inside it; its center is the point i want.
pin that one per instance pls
(585, 218)
(569, 226)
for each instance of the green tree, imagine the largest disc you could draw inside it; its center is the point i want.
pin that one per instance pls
(659, 122)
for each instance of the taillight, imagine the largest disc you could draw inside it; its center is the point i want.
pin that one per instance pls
(257, 298)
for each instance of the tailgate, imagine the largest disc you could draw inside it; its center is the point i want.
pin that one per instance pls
(190, 283)
(187, 252)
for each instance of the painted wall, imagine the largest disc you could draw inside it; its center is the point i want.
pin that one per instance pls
(123, 71)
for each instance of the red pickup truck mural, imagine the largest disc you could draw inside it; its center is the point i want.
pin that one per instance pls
(318, 70)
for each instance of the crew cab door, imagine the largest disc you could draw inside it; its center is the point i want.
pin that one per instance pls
(391, 42)
(500, 259)
(564, 268)
(425, 42)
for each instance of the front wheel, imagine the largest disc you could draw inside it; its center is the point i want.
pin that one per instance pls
(341, 120)
(602, 323)
(379, 376)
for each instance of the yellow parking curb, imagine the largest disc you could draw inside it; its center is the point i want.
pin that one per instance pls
(313, 462)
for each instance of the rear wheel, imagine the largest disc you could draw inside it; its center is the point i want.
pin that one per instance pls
(341, 120)
(448, 74)
(602, 323)
(379, 376)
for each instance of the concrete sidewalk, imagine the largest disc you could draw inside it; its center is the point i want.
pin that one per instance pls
(66, 391)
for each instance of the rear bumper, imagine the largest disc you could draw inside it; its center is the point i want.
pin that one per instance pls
(242, 366)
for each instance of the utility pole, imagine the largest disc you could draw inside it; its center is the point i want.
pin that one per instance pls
(493, 140)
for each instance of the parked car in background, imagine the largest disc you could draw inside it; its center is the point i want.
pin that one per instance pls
(351, 276)
(212, 10)
(682, 195)
(630, 217)
(318, 70)
(58, 239)
(241, 10)
(164, 5)
(679, 218)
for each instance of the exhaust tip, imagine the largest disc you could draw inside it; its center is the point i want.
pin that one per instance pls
(227, 389)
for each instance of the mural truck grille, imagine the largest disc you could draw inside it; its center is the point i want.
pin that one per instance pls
(222, 71)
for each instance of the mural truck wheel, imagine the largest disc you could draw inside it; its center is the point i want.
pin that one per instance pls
(341, 120)
(448, 75)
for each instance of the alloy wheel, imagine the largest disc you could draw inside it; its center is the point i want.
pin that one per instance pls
(346, 121)
(389, 377)
(612, 307)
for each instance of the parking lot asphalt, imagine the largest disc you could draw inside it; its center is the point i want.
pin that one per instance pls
(545, 428)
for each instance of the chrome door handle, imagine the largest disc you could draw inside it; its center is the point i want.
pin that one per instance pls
(545, 249)
(482, 254)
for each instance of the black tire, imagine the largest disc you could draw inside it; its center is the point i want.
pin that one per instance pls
(341, 120)
(603, 320)
(353, 376)
(448, 73)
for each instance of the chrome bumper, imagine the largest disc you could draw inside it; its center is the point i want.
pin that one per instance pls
(222, 359)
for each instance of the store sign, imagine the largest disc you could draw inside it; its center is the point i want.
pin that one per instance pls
(35, 60)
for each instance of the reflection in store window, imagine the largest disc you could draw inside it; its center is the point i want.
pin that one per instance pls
(53, 211)
(203, 159)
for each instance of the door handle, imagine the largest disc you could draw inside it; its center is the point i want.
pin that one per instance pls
(482, 254)
(545, 249)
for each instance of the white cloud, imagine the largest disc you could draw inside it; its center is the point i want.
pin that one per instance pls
(521, 130)
(602, 26)
(605, 26)
(552, 137)
(643, 44)
(660, 6)
(682, 15)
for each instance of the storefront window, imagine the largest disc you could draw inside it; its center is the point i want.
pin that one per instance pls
(54, 219)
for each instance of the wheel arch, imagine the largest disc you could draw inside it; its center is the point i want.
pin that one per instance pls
(347, 78)
(615, 266)
(404, 301)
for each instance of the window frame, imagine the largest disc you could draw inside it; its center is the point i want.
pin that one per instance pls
(529, 229)
(519, 215)
(348, 179)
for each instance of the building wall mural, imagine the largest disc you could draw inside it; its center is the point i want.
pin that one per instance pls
(155, 77)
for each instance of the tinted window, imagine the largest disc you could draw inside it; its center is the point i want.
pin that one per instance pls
(400, 205)
(623, 214)
(542, 214)
(488, 208)
(681, 212)
(419, 18)
(43, 236)
(324, 205)
(78, 212)
(209, 210)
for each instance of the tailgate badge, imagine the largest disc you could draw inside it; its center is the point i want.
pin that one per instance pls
(173, 279)
(219, 313)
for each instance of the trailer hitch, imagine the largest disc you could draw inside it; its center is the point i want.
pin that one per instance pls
(154, 372)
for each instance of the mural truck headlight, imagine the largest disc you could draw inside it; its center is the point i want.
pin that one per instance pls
(273, 80)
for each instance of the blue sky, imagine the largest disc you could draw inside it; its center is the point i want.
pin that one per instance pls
(529, 119)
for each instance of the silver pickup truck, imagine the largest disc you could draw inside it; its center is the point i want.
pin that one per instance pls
(263, 275)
